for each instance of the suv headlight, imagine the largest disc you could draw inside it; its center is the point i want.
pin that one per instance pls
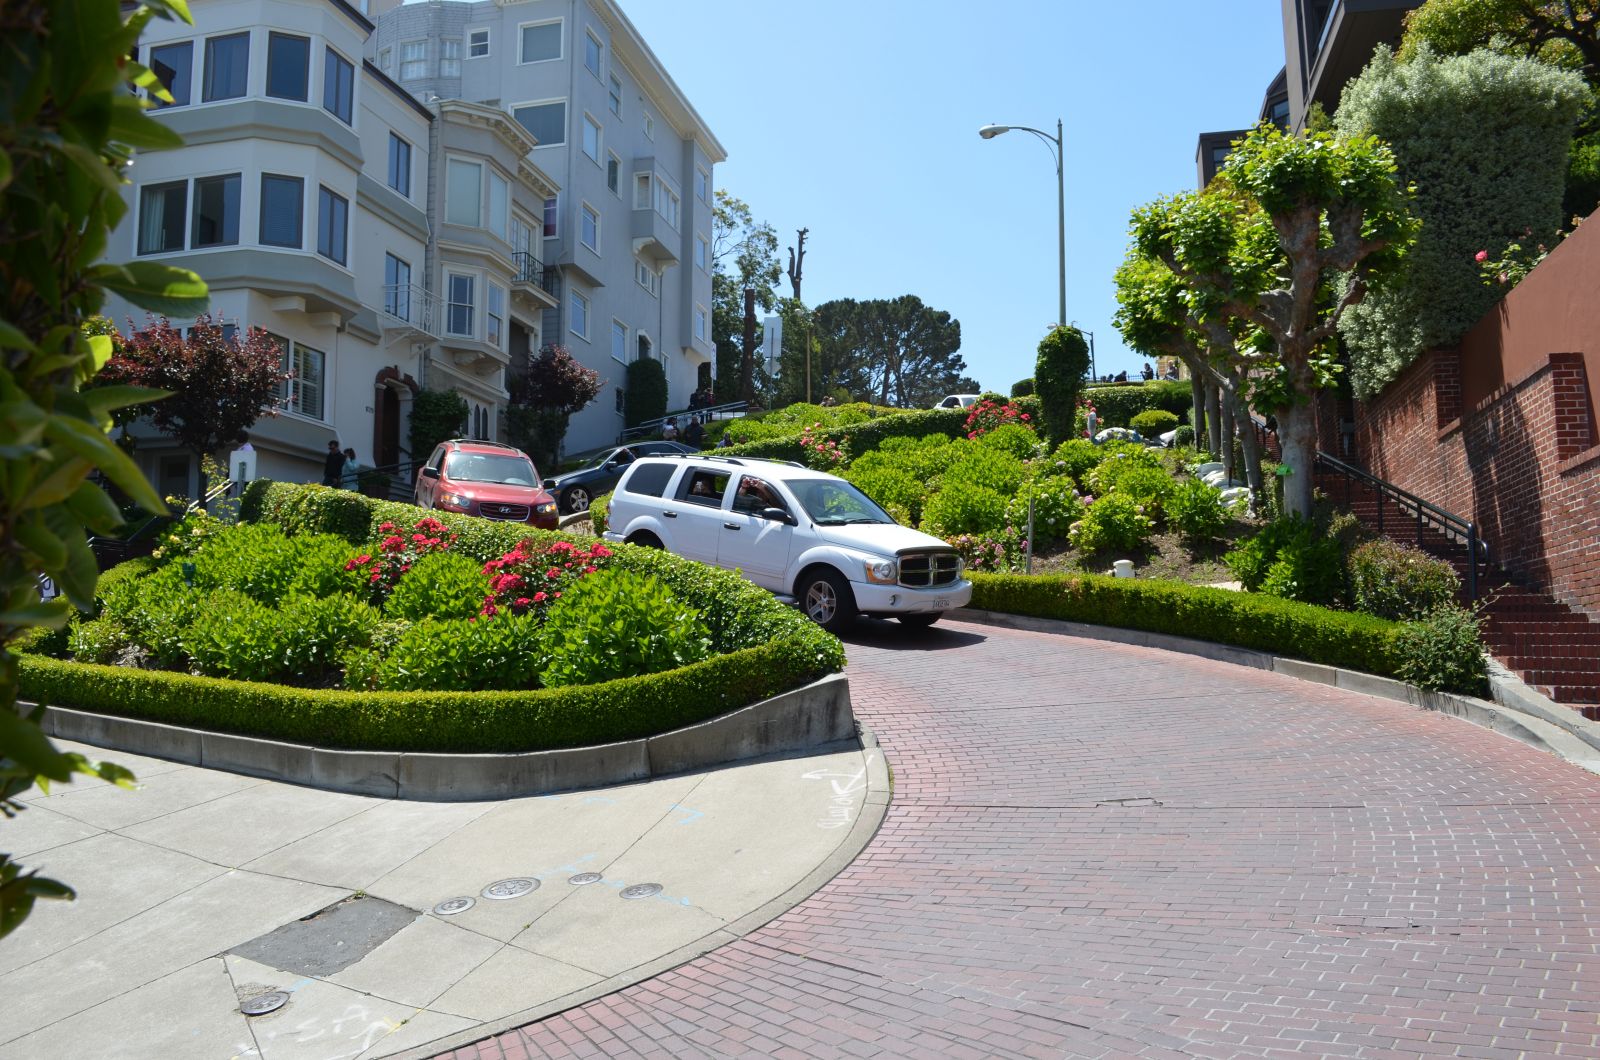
(883, 572)
(545, 508)
(458, 501)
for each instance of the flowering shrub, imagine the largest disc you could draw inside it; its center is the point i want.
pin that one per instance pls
(822, 452)
(1000, 551)
(1056, 506)
(397, 552)
(1196, 510)
(1116, 523)
(967, 509)
(185, 537)
(1074, 458)
(439, 585)
(1121, 459)
(530, 578)
(1513, 265)
(1014, 438)
(988, 415)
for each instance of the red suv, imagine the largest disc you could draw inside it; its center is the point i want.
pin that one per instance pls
(487, 479)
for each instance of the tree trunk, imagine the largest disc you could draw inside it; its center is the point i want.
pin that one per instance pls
(1228, 427)
(1297, 436)
(1197, 394)
(1213, 420)
(1252, 451)
(747, 360)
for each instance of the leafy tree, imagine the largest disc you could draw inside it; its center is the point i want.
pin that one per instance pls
(1484, 138)
(647, 391)
(68, 124)
(220, 384)
(896, 351)
(1295, 234)
(1058, 376)
(543, 399)
(1022, 387)
(436, 416)
(744, 253)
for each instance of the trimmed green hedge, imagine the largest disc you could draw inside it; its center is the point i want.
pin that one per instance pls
(872, 433)
(767, 648)
(1265, 623)
(1118, 405)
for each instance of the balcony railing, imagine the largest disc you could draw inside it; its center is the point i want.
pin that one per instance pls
(530, 270)
(405, 305)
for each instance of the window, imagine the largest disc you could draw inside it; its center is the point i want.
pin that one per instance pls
(614, 173)
(547, 122)
(161, 216)
(227, 67)
(521, 235)
(619, 341)
(282, 208)
(550, 215)
(641, 192)
(499, 205)
(649, 127)
(338, 86)
(647, 277)
(702, 253)
(174, 66)
(667, 203)
(541, 42)
(288, 66)
(616, 95)
(462, 307)
(591, 138)
(477, 44)
(385, 59)
(590, 231)
(216, 212)
(702, 185)
(333, 223)
(450, 57)
(580, 315)
(397, 287)
(494, 332)
(400, 165)
(700, 322)
(302, 391)
(463, 195)
(413, 60)
(592, 50)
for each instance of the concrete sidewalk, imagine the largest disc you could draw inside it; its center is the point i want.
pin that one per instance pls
(193, 888)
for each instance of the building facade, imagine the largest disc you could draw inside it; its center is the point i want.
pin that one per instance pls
(624, 231)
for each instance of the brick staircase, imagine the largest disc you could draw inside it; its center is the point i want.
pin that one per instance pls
(1551, 647)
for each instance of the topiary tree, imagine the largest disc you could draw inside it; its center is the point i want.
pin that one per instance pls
(647, 391)
(1022, 387)
(436, 415)
(1058, 379)
(1484, 139)
(68, 123)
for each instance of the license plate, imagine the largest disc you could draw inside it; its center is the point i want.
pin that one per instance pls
(940, 603)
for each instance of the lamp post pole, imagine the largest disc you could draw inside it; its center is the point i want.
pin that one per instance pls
(989, 132)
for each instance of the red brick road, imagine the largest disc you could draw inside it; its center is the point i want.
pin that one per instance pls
(1099, 850)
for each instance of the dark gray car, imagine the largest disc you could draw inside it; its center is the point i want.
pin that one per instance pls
(574, 490)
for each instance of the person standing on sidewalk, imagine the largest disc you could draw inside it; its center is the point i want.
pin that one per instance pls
(694, 434)
(333, 467)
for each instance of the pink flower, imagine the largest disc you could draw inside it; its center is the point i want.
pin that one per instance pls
(1482, 255)
(539, 598)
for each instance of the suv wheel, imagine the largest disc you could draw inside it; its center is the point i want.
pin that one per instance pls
(826, 599)
(576, 499)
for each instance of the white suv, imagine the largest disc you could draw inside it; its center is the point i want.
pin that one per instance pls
(791, 530)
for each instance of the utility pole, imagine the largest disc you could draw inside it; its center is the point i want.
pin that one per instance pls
(797, 262)
(747, 363)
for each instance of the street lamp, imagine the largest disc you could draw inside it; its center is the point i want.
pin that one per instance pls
(989, 132)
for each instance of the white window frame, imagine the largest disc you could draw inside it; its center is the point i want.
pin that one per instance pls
(550, 217)
(599, 131)
(618, 328)
(702, 323)
(561, 40)
(449, 162)
(473, 42)
(512, 110)
(497, 215)
(702, 253)
(400, 73)
(614, 88)
(385, 59)
(649, 128)
(574, 299)
(702, 183)
(614, 159)
(585, 211)
(644, 191)
(472, 306)
(599, 67)
(667, 196)
(494, 322)
(291, 392)
(647, 277)
(394, 171)
(446, 57)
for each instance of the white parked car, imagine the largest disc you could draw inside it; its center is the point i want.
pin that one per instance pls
(958, 401)
(806, 535)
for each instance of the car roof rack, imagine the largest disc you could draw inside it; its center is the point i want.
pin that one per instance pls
(481, 441)
(737, 461)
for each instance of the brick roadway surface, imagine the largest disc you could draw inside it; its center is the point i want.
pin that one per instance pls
(1102, 850)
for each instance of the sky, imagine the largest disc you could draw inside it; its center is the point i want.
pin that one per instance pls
(859, 121)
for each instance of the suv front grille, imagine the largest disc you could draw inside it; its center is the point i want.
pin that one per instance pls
(516, 513)
(929, 570)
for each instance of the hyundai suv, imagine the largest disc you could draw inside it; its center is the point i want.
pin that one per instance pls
(486, 479)
(803, 534)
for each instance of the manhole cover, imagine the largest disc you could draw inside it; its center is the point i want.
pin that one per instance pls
(262, 1004)
(584, 878)
(452, 906)
(515, 887)
(641, 890)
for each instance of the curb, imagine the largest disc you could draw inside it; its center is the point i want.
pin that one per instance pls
(798, 720)
(874, 808)
(1518, 711)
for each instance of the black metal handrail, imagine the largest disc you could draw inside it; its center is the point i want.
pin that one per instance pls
(651, 428)
(1425, 512)
(531, 270)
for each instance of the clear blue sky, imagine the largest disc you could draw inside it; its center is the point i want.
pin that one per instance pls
(859, 121)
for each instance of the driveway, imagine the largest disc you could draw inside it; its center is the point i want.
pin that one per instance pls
(1102, 850)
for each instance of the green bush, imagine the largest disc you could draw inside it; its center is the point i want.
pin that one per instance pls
(316, 631)
(964, 509)
(1150, 487)
(616, 623)
(1196, 511)
(598, 507)
(439, 585)
(1012, 438)
(1399, 582)
(1115, 523)
(1075, 458)
(1184, 437)
(924, 459)
(258, 561)
(1058, 374)
(646, 391)
(1265, 623)
(977, 465)
(1118, 460)
(1485, 139)
(1443, 652)
(891, 487)
(864, 436)
(1154, 423)
(436, 415)
(1290, 558)
(97, 640)
(1118, 405)
(465, 655)
(233, 635)
(1022, 388)
(1056, 506)
(155, 610)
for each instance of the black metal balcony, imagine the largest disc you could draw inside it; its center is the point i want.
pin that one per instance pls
(531, 271)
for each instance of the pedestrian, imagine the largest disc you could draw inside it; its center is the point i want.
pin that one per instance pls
(670, 430)
(1092, 420)
(353, 470)
(725, 442)
(1147, 373)
(694, 434)
(333, 467)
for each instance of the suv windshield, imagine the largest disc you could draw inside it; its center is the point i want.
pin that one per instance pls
(832, 502)
(490, 467)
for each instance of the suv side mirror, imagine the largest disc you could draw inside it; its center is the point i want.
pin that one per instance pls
(430, 472)
(778, 515)
(549, 483)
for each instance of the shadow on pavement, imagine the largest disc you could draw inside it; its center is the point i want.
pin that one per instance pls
(896, 636)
